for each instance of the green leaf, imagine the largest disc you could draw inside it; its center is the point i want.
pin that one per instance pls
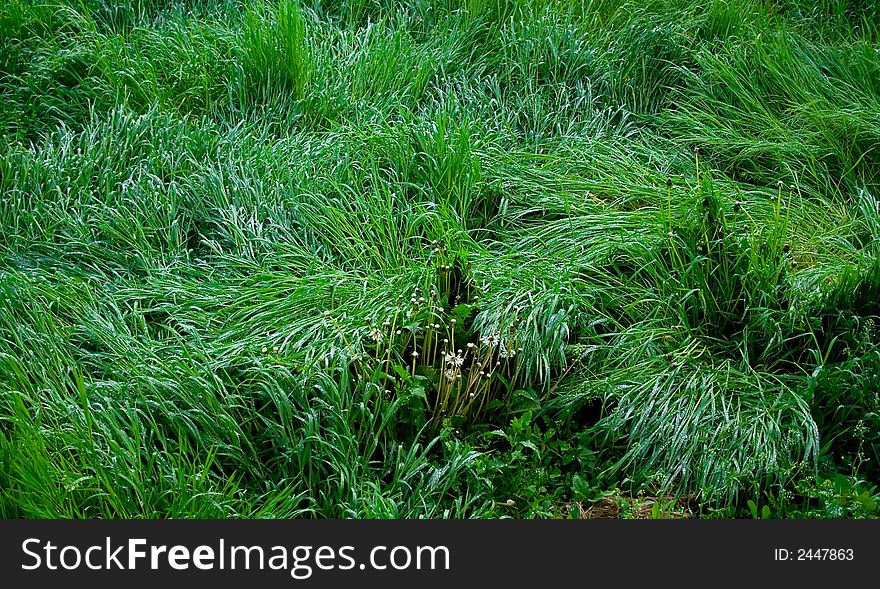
(495, 405)
(519, 424)
(531, 446)
(462, 311)
(580, 488)
(867, 501)
(524, 400)
(418, 391)
(753, 508)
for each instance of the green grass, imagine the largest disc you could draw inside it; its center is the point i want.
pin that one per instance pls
(242, 244)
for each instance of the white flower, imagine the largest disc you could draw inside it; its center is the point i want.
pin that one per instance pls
(453, 360)
(490, 340)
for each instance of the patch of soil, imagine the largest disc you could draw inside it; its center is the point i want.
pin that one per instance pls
(621, 507)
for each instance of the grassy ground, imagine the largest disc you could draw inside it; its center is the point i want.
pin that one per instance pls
(437, 258)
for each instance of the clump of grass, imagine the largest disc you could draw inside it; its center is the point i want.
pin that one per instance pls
(277, 59)
(427, 344)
